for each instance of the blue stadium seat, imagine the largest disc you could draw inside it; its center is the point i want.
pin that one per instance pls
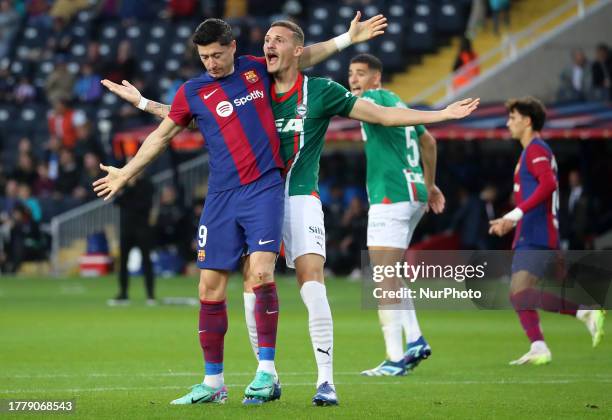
(419, 36)
(450, 19)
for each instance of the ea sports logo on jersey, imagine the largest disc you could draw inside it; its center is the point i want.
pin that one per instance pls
(224, 109)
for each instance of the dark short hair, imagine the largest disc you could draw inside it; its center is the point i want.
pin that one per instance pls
(529, 107)
(298, 33)
(213, 30)
(371, 61)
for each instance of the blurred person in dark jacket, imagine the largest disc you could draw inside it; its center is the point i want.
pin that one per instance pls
(576, 214)
(471, 220)
(601, 70)
(135, 203)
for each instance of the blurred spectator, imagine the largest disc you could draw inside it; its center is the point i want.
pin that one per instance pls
(38, 12)
(11, 199)
(24, 91)
(93, 56)
(24, 146)
(255, 41)
(60, 39)
(175, 83)
(123, 67)
(66, 9)
(131, 10)
(25, 171)
(465, 64)
(478, 14)
(602, 73)
(91, 172)
(470, 220)
(181, 9)
(52, 157)
(24, 240)
(347, 239)
(575, 79)
(86, 142)
(576, 209)
(498, 8)
(63, 120)
(60, 83)
(68, 176)
(7, 85)
(107, 10)
(44, 185)
(88, 87)
(9, 24)
(24, 191)
(170, 221)
(3, 179)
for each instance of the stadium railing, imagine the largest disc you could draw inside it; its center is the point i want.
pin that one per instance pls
(69, 230)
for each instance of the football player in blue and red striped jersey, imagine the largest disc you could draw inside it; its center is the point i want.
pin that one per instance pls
(536, 196)
(243, 212)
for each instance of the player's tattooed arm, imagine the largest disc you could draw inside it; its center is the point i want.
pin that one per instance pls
(163, 110)
(358, 32)
(155, 143)
(398, 117)
(129, 93)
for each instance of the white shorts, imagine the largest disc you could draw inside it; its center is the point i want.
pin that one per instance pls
(303, 227)
(392, 225)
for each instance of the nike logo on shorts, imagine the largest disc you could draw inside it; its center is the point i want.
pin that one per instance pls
(265, 242)
(270, 313)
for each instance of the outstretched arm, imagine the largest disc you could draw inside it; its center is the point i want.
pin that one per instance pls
(358, 32)
(154, 144)
(131, 94)
(369, 112)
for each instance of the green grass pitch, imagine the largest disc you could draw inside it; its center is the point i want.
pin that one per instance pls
(58, 340)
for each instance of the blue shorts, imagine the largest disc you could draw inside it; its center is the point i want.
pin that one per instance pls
(536, 260)
(241, 221)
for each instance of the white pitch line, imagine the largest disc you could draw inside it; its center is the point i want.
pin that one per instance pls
(282, 374)
(291, 384)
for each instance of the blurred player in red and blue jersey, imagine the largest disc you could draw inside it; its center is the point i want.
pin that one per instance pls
(243, 212)
(536, 196)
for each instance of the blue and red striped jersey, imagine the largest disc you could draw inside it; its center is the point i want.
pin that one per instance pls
(234, 115)
(536, 193)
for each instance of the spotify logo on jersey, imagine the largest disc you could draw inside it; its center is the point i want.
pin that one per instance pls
(224, 109)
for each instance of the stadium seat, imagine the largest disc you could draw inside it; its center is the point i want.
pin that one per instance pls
(78, 50)
(450, 18)
(419, 36)
(80, 31)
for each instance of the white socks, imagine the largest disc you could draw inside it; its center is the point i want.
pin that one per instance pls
(391, 323)
(410, 324)
(213, 381)
(249, 314)
(321, 328)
